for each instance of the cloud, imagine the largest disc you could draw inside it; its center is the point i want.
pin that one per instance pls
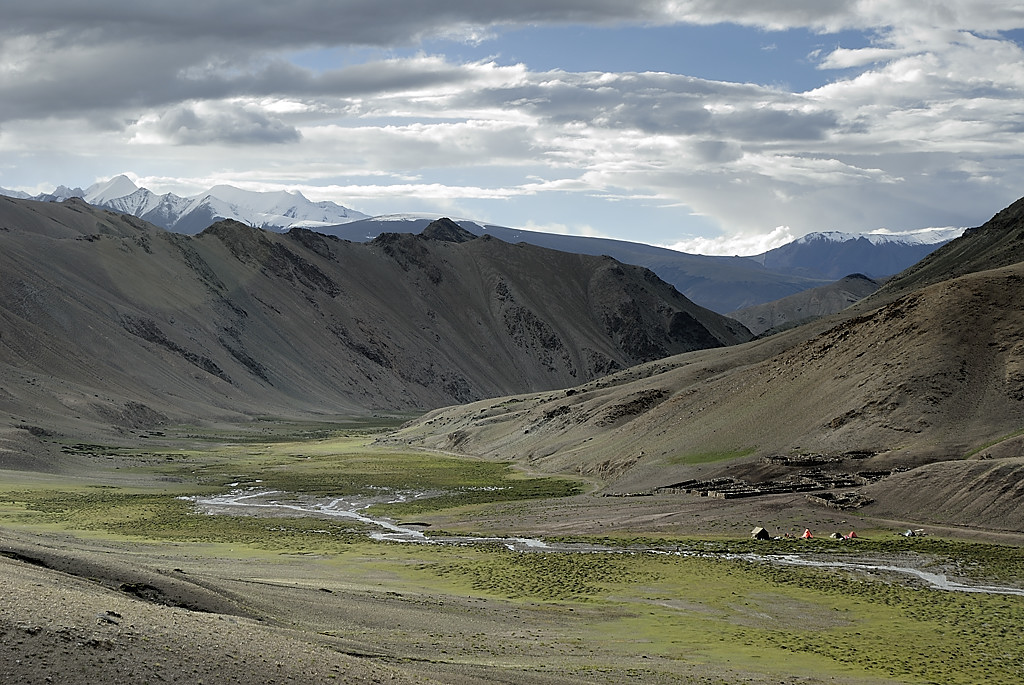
(404, 22)
(437, 192)
(206, 123)
(920, 123)
(732, 245)
(564, 229)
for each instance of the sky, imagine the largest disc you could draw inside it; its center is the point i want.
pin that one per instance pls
(716, 127)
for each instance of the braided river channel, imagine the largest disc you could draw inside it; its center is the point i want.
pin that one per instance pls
(258, 502)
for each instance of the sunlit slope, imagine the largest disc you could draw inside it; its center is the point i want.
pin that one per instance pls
(935, 374)
(931, 375)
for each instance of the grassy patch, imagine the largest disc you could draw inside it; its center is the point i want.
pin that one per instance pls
(578, 577)
(603, 613)
(271, 430)
(338, 465)
(507, 490)
(980, 562)
(348, 466)
(906, 633)
(162, 517)
(758, 617)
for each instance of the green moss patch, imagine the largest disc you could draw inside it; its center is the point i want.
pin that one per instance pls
(159, 517)
(349, 466)
(757, 616)
(545, 576)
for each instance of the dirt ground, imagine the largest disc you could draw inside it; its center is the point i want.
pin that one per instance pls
(57, 627)
(285, 623)
(691, 515)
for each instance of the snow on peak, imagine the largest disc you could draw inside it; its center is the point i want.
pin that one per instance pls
(15, 193)
(277, 210)
(921, 236)
(105, 191)
(429, 216)
(882, 236)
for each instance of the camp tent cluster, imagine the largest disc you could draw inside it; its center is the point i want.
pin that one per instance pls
(761, 533)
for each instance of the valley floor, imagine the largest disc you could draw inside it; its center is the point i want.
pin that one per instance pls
(111, 574)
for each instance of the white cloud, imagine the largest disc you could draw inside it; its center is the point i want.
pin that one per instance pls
(842, 58)
(566, 229)
(435, 192)
(732, 245)
(928, 123)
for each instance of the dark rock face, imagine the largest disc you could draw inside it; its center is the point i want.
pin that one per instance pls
(448, 231)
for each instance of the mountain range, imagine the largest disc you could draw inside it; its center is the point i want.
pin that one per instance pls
(722, 284)
(834, 255)
(923, 380)
(806, 304)
(574, 364)
(278, 211)
(108, 321)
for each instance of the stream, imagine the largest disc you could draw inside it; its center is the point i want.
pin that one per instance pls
(255, 502)
(351, 507)
(936, 581)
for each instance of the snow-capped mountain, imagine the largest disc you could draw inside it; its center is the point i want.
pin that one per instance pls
(277, 211)
(722, 284)
(106, 191)
(15, 194)
(59, 194)
(833, 254)
(923, 236)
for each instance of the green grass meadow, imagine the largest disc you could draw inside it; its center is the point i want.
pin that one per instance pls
(632, 613)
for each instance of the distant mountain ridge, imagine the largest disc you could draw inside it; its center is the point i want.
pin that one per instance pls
(796, 309)
(276, 211)
(924, 236)
(998, 242)
(833, 255)
(720, 283)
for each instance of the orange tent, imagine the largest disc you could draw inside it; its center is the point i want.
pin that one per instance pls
(852, 534)
(807, 534)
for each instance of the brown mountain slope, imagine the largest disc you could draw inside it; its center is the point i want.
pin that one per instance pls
(925, 375)
(928, 377)
(999, 242)
(972, 493)
(809, 304)
(106, 320)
